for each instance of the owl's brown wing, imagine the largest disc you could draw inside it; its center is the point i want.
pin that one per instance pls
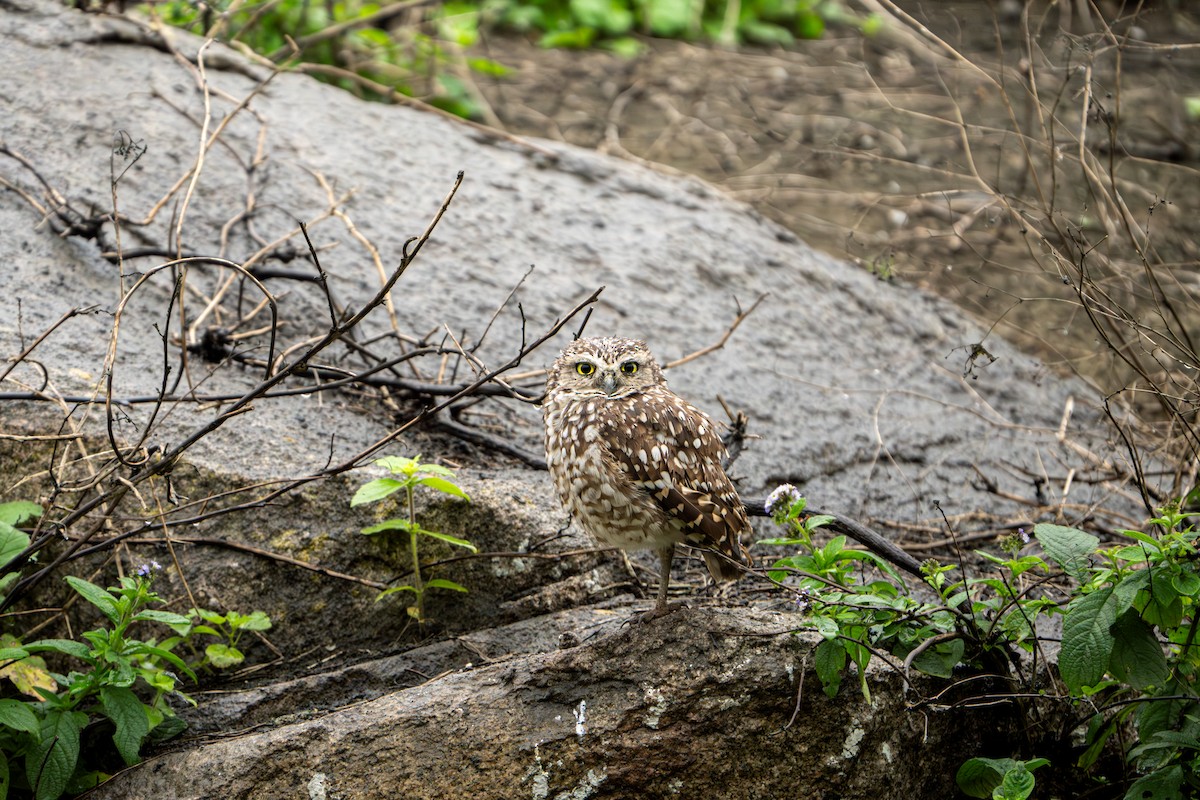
(671, 451)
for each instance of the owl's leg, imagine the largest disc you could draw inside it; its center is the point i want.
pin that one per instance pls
(665, 556)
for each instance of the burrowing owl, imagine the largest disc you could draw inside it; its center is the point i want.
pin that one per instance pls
(636, 465)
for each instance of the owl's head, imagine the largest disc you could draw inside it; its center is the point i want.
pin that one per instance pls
(610, 367)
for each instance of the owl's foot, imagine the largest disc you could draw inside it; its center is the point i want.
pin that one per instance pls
(660, 609)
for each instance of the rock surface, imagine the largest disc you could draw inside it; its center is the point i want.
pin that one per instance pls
(854, 385)
(700, 707)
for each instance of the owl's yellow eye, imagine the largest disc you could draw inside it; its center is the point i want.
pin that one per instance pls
(585, 368)
(629, 368)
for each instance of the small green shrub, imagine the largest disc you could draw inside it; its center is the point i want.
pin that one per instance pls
(410, 474)
(40, 738)
(1128, 655)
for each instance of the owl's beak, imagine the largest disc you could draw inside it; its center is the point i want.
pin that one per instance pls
(608, 382)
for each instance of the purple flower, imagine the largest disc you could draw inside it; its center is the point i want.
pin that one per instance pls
(148, 569)
(780, 500)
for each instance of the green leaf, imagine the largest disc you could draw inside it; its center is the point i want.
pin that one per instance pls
(442, 583)
(9, 653)
(18, 716)
(211, 617)
(485, 66)
(1017, 784)
(1087, 640)
(625, 47)
(573, 38)
(444, 486)
(1070, 548)
(1164, 606)
(5, 777)
(399, 465)
(222, 656)
(940, 660)
(12, 543)
(445, 537)
(830, 659)
(50, 764)
(97, 597)
(759, 32)
(165, 655)
(977, 777)
(668, 18)
(68, 647)
(256, 621)
(18, 512)
(394, 589)
(1163, 784)
(176, 622)
(1187, 584)
(394, 524)
(827, 627)
(1137, 658)
(127, 713)
(376, 490)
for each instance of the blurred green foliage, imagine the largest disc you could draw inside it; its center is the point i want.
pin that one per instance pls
(422, 49)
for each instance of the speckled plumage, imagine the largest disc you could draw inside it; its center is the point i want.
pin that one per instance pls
(637, 466)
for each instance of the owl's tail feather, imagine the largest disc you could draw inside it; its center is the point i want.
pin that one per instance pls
(721, 566)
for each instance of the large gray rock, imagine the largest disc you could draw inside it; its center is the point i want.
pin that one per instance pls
(855, 387)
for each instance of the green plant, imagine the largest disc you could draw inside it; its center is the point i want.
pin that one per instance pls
(40, 739)
(352, 44)
(228, 627)
(12, 540)
(998, 778)
(583, 23)
(1128, 645)
(410, 474)
(857, 619)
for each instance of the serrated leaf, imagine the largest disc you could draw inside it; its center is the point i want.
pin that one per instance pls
(444, 486)
(1087, 640)
(1070, 548)
(50, 764)
(18, 716)
(1137, 658)
(96, 596)
(376, 490)
(19, 511)
(129, 716)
